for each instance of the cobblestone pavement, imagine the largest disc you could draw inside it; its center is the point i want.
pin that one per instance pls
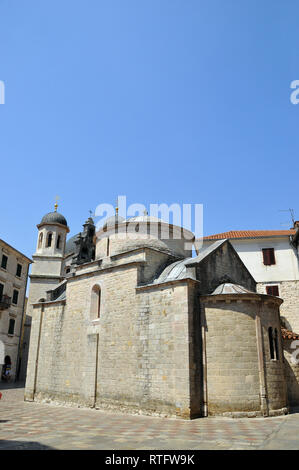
(25, 425)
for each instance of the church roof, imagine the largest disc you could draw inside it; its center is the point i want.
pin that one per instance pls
(229, 288)
(70, 246)
(179, 269)
(176, 270)
(250, 234)
(54, 218)
(286, 334)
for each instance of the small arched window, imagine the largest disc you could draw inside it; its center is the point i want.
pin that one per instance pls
(49, 239)
(40, 240)
(273, 343)
(95, 304)
(276, 344)
(270, 333)
(58, 242)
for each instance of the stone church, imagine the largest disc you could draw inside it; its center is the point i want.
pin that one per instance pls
(129, 320)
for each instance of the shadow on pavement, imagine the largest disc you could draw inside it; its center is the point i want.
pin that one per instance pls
(23, 445)
(10, 385)
(294, 410)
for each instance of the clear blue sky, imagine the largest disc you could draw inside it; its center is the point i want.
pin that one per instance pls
(183, 101)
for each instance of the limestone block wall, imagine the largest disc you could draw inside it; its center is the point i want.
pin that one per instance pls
(289, 292)
(232, 358)
(239, 367)
(134, 357)
(274, 368)
(223, 265)
(38, 288)
(167, 350)
(291, 371)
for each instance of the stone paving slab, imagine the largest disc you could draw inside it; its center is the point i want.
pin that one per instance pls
(27, 425)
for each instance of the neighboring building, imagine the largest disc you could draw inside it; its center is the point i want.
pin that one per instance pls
(272, 258)
(14, 267)
(24, 344)
(127, 319)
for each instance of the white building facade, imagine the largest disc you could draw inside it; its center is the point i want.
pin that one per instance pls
(271, 256)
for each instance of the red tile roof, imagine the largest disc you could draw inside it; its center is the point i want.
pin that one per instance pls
(286, 334)
(250, 234)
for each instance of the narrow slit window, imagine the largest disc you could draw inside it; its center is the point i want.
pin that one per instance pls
(49, 240)
(58, 242)
(11, 327)
(276, 344)
(270, 333)
(40, 240)
(95, 306)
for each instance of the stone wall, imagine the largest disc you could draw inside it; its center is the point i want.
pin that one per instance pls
(274, 368)
(223, 265)
(239, 367)
(232, 359)
(291, 371)
(289, 310)
(135, 357)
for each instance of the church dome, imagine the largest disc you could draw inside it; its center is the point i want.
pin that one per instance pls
(54, 218)
(114, 220)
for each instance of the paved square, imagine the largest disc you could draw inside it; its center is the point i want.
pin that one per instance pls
(25, 425)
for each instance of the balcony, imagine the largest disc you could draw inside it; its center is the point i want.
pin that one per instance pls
(5, 302)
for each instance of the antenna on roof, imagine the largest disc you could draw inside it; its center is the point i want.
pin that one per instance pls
(291, 211)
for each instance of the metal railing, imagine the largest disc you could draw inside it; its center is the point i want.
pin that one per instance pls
(5, 302)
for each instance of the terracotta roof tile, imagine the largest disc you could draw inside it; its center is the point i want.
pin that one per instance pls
(250, 234)
(286, 334)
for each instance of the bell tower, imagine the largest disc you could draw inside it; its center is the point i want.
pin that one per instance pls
(48, 259)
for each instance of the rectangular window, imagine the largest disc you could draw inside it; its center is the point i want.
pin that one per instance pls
(4, 261)
(268, 256)
(15, 297)
(1, 290)
(19, 270)
(272, 290)
(11, 327)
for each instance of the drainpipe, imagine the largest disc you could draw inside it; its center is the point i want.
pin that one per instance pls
(262, 372)
(204, 364)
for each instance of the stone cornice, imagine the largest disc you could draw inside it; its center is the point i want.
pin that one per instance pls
(254, 297)
(187, 280)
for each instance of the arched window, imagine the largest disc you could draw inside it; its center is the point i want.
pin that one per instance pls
(95, 304)
(276, 344)
(40, 240)
(270, 333)
(49, 239)
(273, 343)
(58, 242)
